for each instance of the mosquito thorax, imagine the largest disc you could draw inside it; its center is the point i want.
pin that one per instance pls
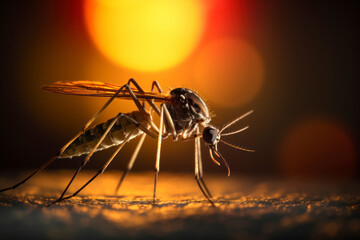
(210, 135)
(187, 109)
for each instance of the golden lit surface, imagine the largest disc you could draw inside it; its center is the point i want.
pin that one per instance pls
(232, 71)
(318, 148)
(246, 208)
(145, 35)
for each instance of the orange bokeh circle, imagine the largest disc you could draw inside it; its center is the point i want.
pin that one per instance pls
(145, 35)
(318, 148)
(229, 72)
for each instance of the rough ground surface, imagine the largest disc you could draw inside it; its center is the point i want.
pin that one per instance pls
(247, 208)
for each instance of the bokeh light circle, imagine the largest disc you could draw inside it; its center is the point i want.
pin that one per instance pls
(229, 72)
(145, 35)
(318, 148)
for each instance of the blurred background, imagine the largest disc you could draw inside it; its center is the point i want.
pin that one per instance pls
(295, 63)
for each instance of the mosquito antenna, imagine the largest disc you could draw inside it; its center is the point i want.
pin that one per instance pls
(236, 120)
(237, 147)
(226, 164)
(231, 133)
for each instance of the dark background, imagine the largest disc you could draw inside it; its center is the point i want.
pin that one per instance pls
(311, 55)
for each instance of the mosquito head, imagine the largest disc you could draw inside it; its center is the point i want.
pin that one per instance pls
(211, 135)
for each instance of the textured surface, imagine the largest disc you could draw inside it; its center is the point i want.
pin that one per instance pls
(247, 208)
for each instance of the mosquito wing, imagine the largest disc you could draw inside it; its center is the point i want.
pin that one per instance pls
(100, 89)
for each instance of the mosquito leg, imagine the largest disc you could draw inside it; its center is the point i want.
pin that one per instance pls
(89, 155)
(131, 162)
(168, 119)
(102, 109)
(170, 123)
(157, 163)
(32, 174)
(142, 127)
(153, 85)
(163, 109)
(120, 115)
(157, 85)
(151, 103)
(104, 167)
(138, 147)
(201, 177)
(206, 189)
(199, 172)
(53, 158)
(141, 108)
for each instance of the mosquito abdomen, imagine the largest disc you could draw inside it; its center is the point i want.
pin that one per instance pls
(87, 141)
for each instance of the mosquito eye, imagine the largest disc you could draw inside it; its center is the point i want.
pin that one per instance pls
(210, 134)
(197, 108)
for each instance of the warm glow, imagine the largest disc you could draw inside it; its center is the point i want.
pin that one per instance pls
(145, 35)
(317, 149)
(229, 71)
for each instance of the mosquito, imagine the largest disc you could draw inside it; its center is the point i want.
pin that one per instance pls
(183, 115)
